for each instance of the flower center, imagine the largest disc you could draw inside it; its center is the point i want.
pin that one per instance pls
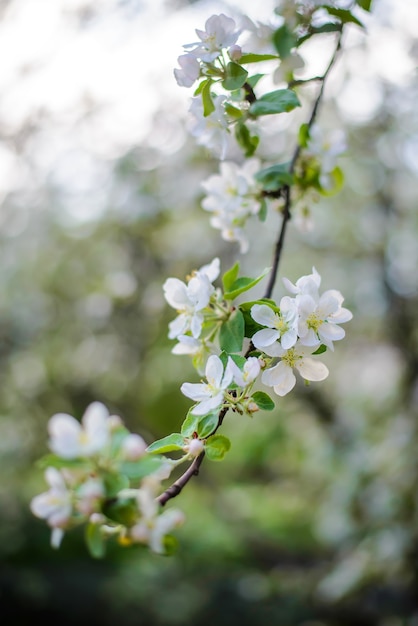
(291, 357)
(314, 322)
(281, 325)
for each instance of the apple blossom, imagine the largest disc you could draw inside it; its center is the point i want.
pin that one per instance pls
(189, 70)
(281, 326)
(55, 505)
(245, 376)
(221, 32)
(281, 376)
(211, 130)
(209, 395)
(69, 439)
(318, 320)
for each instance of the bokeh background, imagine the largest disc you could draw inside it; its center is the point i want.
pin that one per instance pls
(312, 519)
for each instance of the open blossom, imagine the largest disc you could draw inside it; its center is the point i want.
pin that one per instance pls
(90, 495)
(305, 285)
(281, 326)
(54, 505)
(246, 375)
(189, 70)
(69, 439)
(233, 196)
(281, 376)
(152, 526)
(209, 395)
(326, 150)
(211, 130)
(190, 299)
(319, 319)
(220, 32)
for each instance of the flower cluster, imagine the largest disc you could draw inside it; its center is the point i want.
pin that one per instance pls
(302, 326)
(100, 474)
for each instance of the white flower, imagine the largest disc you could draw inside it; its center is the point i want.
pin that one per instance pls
(189, 70)
(233, 195)
(220, 33)
(281, 326)
(133, 447)
(246, 375)
(89, 495)
(209, 395)
(326, 150)
(69, 439)
(318, 320)
(190, 299)
(288, 65)
(305, 285)
(281, 376)
(260, 39)
(54, 505)
(210, 131)
(152, 527)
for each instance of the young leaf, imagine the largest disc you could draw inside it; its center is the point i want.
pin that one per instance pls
(95, 541)
(172, 442)
(231, 335)
(208, 106)
(253, 80)
(279, 101)
(235, 76)
(274, 177)
(337, 179)
(233, 111)
(263, 401)
(244, 284)
(136, 470)
(303, 135)
(189, 425)
(330, 27)
(230, 277)
(366, 5)
(216, 447)
(284, 40)
(262, 214)
(244, 138)
(207, 424)
(320, 350)
(256, 58)
(343, 15)
(114, 483)
(123, 511)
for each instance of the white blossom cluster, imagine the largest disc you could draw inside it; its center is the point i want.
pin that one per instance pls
(89, 455)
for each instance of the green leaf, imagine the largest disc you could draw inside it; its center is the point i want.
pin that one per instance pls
(95, 541)
(320, 350)
(230, 277)
(337, 177)
(274, 177)
(114, 483)
(123, 511)
(244, 284)
(238, 360)
(207, 424)
(330, 27)
(244, 138)
(172, 442)
(343, 15)
(284, 40)
(253, 80)
(216, 447)
(262, 214)
(303, 135)
(233, 111)
(208, 106)
(189, 425)
(366, 5)
(231, 335)
(52, 460)
(256, 58)
(279, 101)
(136, 470)
(263, 401)
(235, 76)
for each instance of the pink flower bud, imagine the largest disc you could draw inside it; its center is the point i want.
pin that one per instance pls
(235, 53)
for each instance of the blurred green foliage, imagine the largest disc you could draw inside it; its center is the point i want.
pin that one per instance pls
(312, 518)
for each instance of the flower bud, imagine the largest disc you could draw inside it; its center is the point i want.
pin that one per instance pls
(195, 447)
(235, 53)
